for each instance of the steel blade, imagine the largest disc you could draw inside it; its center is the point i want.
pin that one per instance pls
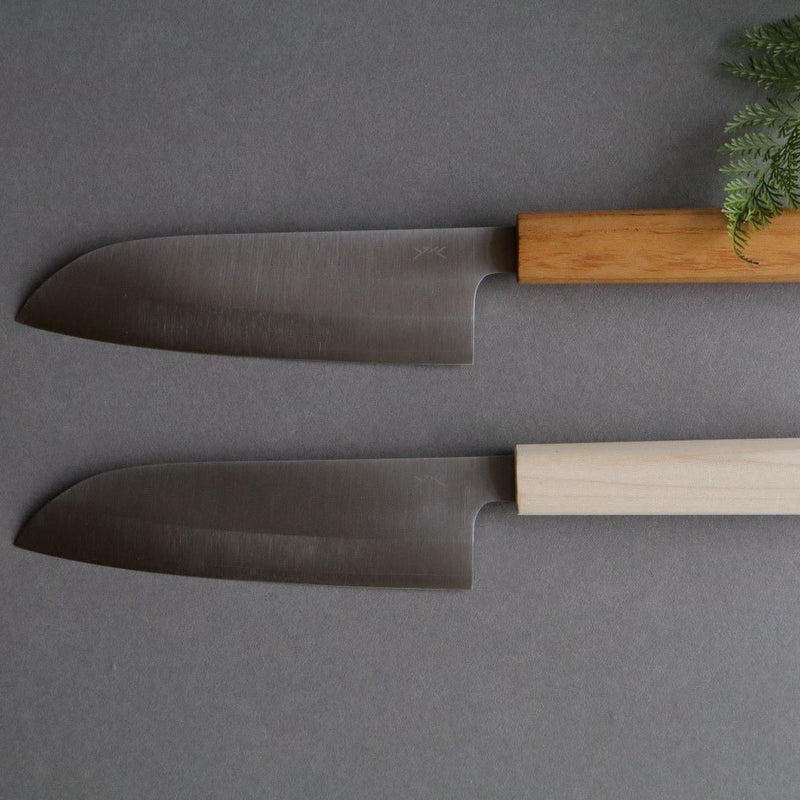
(371, 522)
(385, 296)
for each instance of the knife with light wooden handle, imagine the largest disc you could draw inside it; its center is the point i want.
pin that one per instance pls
(390, 522)
(403, 296)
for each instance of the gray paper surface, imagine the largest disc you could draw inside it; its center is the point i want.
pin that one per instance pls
(596, 657)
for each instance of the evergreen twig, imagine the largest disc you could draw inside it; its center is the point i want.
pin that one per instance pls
(764, 156)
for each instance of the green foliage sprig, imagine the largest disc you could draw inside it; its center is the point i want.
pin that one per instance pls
(764, 153)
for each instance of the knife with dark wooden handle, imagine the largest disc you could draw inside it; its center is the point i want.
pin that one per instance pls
(403, 296)
(390, 522)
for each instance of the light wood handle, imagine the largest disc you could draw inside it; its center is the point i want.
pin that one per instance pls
(666, 246)
(734, 476)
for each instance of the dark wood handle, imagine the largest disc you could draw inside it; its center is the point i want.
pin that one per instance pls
(662, 246)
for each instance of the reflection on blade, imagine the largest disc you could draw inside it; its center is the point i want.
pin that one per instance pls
(392, 296)
(371, 522)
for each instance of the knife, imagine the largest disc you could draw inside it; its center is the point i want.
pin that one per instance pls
(390, 522)
(383, 296)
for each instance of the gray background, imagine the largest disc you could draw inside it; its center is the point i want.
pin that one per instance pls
(595, 657)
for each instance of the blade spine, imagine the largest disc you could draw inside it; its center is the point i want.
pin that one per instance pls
(225, 235)
(259, 461)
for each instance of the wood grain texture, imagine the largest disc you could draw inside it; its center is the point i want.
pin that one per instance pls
(661, 246)
(735, 476)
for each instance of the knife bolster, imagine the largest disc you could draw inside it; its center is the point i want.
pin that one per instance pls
(744, 476)
(661, 246)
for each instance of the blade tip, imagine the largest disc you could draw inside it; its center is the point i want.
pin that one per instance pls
(26, 538)
(23, 315)
(33, 312)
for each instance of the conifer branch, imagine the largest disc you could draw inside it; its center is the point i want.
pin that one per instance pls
(764, 158)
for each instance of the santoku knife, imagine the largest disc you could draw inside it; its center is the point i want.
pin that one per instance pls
(384, 296)
(390, 522)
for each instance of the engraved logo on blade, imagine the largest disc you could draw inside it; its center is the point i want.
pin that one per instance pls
(435, 252)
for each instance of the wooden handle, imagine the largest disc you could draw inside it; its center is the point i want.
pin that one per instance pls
(735, 476)
(667, 246)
